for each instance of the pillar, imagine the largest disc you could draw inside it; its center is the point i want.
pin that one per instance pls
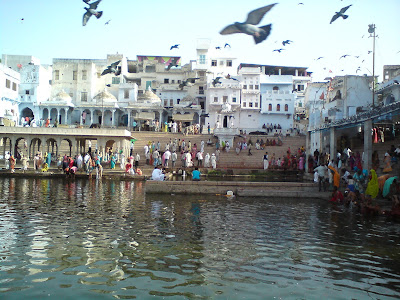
(91, 116)
(308, 149)
(367, 144)
(332, 143)
(66, 116)
(129, 119)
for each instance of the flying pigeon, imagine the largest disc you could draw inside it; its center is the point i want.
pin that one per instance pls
(344, 56)
(174, 46)
(112, 69)
(301, 3)
(227, 45)
(185, 82)
(173, 63)
(319, 58)
(278, 50)
(218, 48)
(216, 80)
(230, 77)
(396, 82)
(91, 11)
(358, 69)
(108, 22)
(286, 42)
(249, 26)
(369, 52)
(340, 14)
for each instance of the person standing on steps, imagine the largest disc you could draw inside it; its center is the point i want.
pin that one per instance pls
(265, 160)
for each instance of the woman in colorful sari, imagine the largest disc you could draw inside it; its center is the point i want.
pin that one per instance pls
(359, 181)
(373, 186)
(112, 161)
(387, 163)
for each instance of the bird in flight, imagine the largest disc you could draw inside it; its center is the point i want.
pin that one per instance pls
(319, 58)
(216, 80)
(249, 26)
(174, 46)
(230, 77)
(369, 51)
(278, 50)
(286, 42)
(91, 11)
(173, 63)
(187, 81)
(108, 22)
(301, 3)
(340, 14)
(344, 56)
(358, 69)
(227, 45)
(112, 69)
(218, 48)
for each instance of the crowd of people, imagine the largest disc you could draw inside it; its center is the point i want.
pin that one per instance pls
(355, 186)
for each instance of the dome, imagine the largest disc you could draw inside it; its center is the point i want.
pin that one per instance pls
(149, 96)
(105, 96)
(62, 98)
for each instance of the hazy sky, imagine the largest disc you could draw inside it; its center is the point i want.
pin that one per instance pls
(53, 29)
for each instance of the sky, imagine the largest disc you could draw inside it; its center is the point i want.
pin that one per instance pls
(50, 29)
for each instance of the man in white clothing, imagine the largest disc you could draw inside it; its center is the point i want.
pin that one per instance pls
(157, 174)
(7, 160)
(167, 156)
(213, 161)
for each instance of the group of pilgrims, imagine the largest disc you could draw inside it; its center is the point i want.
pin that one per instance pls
(189, 155)
(361, 187)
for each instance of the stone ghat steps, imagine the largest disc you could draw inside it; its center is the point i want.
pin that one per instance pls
(227, 159)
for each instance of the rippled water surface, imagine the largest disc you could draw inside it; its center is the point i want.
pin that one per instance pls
(82, 239)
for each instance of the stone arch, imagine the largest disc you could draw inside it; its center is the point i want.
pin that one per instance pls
(65, 147)
(21, 147)
(108, 121)
(34, 147)
(7, 144)
(45, 114)
(53, 115)
(52, 146)
(27, 112)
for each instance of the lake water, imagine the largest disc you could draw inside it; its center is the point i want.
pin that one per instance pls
(81, 239)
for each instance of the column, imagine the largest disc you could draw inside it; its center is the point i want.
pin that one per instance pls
(129, 118)
(66, 116)
(367, 144)
(332, 143)
(81, 119)
(308, 149)
(113, 118)
(58, 115)
(91, 116)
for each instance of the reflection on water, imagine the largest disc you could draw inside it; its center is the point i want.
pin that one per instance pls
(105, 239)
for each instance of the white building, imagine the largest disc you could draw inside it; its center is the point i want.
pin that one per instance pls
(277, 101)
(9, 87)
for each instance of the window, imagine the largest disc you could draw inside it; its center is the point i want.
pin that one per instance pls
(215, 99)
(84, 75)
(244, 104)
(269, 107)
(14, 86)
(245, 86)
(213, 63)
(115, 80)
(300, 104)
(275, 88)
(126, 94)
(256, 87)
(286, 107)
(202, 59)
(234, 99)
(165, 102)
(224, 99)
(84, 97)
(74, 75)
(256, 104)
(171, 102)
(221, 62)
(8, 83)
(250, 87)
(166, 80)
(300, 87)
(178, 100)
(56, 75)
(201, 90)
(278, 107)
(172, 81)
(178, 81)
(229, 63)
(27, 92)
(250, 104)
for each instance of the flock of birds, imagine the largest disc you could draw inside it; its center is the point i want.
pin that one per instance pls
(249, 27)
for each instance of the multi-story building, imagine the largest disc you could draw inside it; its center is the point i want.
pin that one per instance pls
(9, 86)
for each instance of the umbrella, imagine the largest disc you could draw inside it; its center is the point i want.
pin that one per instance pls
(388, 183)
